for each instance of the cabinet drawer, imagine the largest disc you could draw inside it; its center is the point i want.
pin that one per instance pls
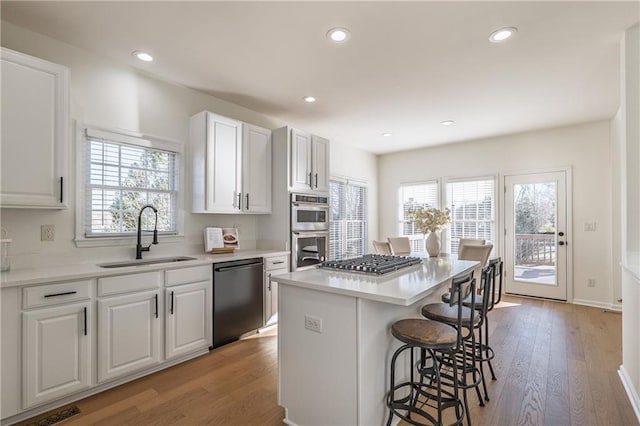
(129, 283)
(189, 275)
(53, 294)
(276, 262)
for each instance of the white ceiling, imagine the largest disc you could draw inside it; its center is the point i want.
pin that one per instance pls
(407, 66)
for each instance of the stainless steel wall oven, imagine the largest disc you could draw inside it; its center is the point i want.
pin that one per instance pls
(309, 230)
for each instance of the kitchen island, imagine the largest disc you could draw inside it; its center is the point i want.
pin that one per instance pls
(334, 338)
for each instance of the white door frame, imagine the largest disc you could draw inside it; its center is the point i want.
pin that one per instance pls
(569, 226)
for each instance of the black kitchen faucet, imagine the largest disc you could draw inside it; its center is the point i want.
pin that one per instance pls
(139, 248)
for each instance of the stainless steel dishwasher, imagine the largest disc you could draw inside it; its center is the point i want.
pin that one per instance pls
(237, 299)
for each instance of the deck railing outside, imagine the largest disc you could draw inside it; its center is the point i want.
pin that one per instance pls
(535, 249)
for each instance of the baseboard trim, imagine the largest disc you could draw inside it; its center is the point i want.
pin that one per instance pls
(609, 306)
(631, 392)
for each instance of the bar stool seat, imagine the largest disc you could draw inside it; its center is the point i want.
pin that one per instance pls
(448, 314)
(426, 333)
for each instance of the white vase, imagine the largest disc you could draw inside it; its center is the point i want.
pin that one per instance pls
(432, 244)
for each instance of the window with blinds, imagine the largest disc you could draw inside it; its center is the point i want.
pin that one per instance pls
(121, 178)
(413, 196)
(347, 220)
(472, 204)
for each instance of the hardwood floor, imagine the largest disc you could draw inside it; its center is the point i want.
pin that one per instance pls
(556, 365)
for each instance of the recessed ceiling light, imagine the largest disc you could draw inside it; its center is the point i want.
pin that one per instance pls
(309, 99)
(447, 122)
(386, 135)
(503, 34)
(143, 56)
(338, 35)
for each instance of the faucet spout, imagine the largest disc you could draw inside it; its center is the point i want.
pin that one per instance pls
(139, 248)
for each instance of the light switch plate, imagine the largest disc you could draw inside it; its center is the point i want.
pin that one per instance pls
(47, 232)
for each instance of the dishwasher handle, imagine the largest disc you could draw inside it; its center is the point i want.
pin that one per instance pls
(236, 268)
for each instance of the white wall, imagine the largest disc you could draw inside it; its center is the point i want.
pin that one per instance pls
(629, 128)
(584, 147)
(109, 94)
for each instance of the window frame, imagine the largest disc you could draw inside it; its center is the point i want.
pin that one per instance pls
(365, 185)
(415, 239)
(446, 240)
(129, 138)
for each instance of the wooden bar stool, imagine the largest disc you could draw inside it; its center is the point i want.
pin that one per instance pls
(439, 345)
(466, 321)
(480, 349)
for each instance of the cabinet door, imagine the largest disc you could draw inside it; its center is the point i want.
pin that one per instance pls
(189, 316)
(129, 330)
(300, 164)
(35, 129)
(320, 163)
(271, 296)
(223, 165)
(56, 352)
(256, 169)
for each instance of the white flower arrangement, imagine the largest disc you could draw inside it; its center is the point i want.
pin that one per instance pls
(429, 219)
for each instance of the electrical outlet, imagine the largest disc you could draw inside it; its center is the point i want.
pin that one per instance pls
(590, 227)
(47, 232)
(591, 282)
(313, 323)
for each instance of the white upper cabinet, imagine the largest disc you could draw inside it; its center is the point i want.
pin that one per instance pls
(300, 152)
(309, 162)
(256, 169)
(320, 163)
(231, 163)
(35, 132)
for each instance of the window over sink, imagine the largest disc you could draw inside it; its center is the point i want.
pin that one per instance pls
(118, 175)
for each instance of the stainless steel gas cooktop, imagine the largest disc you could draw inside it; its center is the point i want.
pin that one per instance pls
(374, 264)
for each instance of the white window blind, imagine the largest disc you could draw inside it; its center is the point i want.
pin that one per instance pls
(472, 204)
(411, 196)
(415, 196)
(348, 219)
(120, 178)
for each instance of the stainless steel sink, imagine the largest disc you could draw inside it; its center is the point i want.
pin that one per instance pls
(140, 262)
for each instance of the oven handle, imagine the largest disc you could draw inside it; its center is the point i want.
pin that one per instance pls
(311, 206)
(312, 233)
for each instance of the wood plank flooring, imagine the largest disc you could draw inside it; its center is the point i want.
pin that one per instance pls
(556, 365)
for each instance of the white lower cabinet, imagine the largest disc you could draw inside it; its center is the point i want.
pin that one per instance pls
(276, 265)
(57, 352)
(129, 333)
(64, 339)
(188, 318)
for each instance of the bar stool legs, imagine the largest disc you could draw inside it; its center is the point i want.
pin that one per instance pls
(409, 400)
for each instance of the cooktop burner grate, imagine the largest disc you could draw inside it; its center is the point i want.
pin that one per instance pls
(375, 264)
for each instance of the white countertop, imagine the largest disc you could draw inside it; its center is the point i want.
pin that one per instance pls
(404, 287)
(43, 275)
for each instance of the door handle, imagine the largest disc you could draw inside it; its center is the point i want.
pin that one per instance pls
(156, 305)
(61, 189)
(310, 181)
(171, 307)
(60, 294)
(561, 243)
(239, 200)
(561, 234)
(85, 321)
(316, 181)
(247, 206)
